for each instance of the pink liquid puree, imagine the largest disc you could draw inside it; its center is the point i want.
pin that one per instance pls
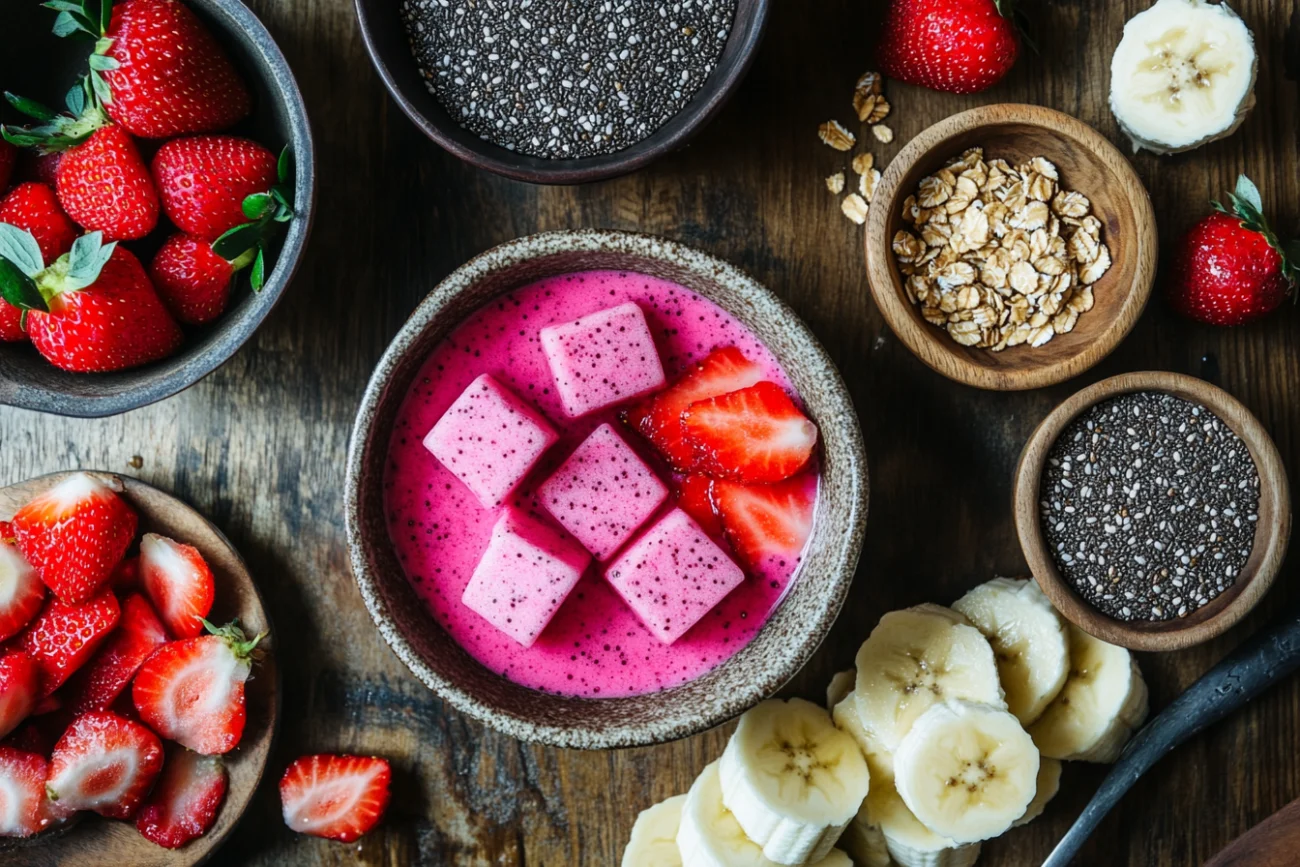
(595, 646)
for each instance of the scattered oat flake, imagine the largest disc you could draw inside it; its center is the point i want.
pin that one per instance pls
(833, 133)
(867, 183)
(835, 183)
(883, 134)
(863, 162)
(855, 208)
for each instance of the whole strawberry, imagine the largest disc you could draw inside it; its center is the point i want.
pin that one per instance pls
(958, 46)
(1230, 268)
(204, 180)
(192, 280)
(34, 207)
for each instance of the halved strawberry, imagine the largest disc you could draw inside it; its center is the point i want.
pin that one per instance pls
(21, 590)
(767, 525)
(99, 684)
(24, 808)
(338, 797)
(694, 498)
(658, 418)
(178, 582)
(63, 637)
(75, 534)
(754, 435)
(104, 763)
(33, 735)
(185, 802)
(192, 691)
(20, 680)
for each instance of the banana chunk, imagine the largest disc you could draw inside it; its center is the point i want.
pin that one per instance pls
(1048, 784)
(654, 836)
(792, 779)
(841, 685)
(1103, 701)
(1028, 639)
(864, 842)
(910, 843)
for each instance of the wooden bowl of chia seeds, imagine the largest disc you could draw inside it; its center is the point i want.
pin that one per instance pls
(1153, 510)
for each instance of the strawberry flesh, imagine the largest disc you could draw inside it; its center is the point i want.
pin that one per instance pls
(24, 808)
(192, 280)
(694, 497)
(753, 435)
(99, 684)
(184, 804)
(337, 797)
(64, 637)
(21, 590)
(104, 763)
(20, 681)
(178, 582)
(767, 525)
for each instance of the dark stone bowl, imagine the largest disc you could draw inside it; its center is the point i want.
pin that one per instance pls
(784, 643)
(34, 63)
(390, 51)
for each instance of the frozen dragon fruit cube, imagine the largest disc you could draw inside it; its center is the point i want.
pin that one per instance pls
(602, 359)
(673, 575)
(490, 439)
(603, 493)
(526, 573)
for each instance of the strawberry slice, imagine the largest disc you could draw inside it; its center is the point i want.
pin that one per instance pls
(185, 802)
(754, 435)
(179, 583)
(658, 419)
(24, 808)
(104, 763)
(99, 684)
(21, 590)
(338, 797)
(20, 680)
(192, 691)
(63, 637)
(75, 534)
(767, 525)
(694, 496)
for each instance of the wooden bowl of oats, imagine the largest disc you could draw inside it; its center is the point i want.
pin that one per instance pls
(1011, 247)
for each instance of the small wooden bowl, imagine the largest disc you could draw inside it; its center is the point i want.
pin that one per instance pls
(1272, 530)
(1089, 164)
(90, 841)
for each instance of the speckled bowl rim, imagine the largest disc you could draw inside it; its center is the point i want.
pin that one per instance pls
(838, 418)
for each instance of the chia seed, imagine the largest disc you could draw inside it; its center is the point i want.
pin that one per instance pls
(1149, 504)
(563, 79)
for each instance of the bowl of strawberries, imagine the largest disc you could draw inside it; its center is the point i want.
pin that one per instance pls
(154, 204)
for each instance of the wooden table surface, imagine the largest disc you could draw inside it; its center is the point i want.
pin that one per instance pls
(259, 445)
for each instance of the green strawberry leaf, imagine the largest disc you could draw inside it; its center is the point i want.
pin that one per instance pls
(284, 166)
(19, 289)
(64, 6)
(257, 277)
(238, 241)
(102, 62)
(1248, 192)
(20, 248)
(76, 99)
(256, 205)
(31, 107)
(100, 87)
(87, 258)
(102, 45)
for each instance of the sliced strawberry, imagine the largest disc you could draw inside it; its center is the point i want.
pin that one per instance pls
(338, 797)
(104, 763)
(658, 419)
(192, 691)
(33, 736)
(99, 684)
(24, 808)
(767, 525)
(75, 534)
(63, 637)
(185, 802)
(126, 577)
(21, 590)
(179, 583)
(694, 498)
(754, 435)
(20, 681)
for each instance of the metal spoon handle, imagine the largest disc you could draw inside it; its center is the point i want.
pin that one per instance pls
(1245, 673)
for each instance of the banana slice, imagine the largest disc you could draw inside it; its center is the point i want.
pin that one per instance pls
(1182, 75)
(1047, 785)
(967, 771)
(913, 659)
(1103, 701)
(841, 685)
(910, 843)
(865, 842)
(654, 836)
(792, 779)
(1028, 639)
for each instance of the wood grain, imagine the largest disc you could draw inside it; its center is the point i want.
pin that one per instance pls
(259, 446)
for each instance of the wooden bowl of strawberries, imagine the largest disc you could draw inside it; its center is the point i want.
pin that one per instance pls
(153, 204)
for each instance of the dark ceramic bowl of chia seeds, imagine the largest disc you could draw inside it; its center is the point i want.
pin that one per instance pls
(577, 117)
(1134, 504)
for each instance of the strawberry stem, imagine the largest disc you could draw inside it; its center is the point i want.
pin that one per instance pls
(239, 644)
(58, 132)
(245, 244)
(1248, 206)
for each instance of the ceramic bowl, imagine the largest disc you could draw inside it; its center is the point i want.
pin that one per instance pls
(279, 117)
(778, 650)
(1272, 530)
(390, 51)
(1089, 164)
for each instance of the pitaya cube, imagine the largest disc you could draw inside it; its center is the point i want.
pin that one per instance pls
(603, 492)
(673, 575)
(527, 571)
(602, 359)
(490, 439)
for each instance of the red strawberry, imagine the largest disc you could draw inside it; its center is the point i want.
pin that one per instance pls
(185, 802)
(204, 180)
(338, 797)
(659, 418)
(32, 736)
(36, 166)
(8, 156)
(75, 534)
(21, 590)
(104, 186)
(126, 577)
(753, 435)
(178, 582)
(24, 808)
(19, 683)
(1231, 268)
(105, 763)
(767, 525)
(63, 637)
(11, 323)
(192, 691)
(694, 497)
(192, 280)
(33, 207)
(99, 684)
(958, 46)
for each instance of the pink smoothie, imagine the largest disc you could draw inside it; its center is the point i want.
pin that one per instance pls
(595, 646)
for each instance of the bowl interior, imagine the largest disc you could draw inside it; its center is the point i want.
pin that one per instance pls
(41, 66)
(772, 657)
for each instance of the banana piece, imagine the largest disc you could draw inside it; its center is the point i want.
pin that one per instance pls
(1028, 639)
(865, 842)
(792, 779)
(1182, 75)
(654, 836)
(841, 685)
(910, 843)
(1103, 701)
(1048, 784)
